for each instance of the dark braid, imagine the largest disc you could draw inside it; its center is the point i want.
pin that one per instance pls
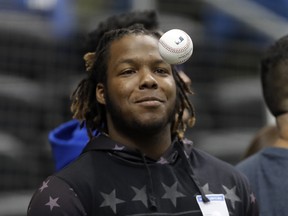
(179, 125)
(84, 104)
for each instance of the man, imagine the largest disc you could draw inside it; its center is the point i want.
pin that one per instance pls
(138, 164)
(68, 139)
(264, 137)
(266, 169)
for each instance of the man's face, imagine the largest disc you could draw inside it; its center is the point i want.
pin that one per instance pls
(141, 90)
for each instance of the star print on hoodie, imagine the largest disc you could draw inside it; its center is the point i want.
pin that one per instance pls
(112, 179)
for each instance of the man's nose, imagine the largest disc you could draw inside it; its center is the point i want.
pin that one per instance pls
(148, 79)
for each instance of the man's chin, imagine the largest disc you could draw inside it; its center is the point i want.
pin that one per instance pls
(151, 126)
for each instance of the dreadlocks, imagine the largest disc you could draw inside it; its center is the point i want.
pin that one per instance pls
(84, 104)
(148, 18)
(179, 125)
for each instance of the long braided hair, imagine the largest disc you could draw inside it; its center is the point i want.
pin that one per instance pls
(84, 104)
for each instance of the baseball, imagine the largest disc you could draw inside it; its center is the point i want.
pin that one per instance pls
(175, 46)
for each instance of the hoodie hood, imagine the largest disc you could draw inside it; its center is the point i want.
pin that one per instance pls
(67, 142)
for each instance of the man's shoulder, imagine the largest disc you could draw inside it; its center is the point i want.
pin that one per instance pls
(86, 158)
(208, 165)
(209, 159)
(249, 162)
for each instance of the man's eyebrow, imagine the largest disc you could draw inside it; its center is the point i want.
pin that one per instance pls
(159, 61)
(123, 61)
(134, 60)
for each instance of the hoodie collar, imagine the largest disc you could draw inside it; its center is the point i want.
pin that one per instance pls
(178, 148)
(103, 143)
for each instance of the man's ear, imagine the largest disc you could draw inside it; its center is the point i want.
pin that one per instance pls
(100, 93)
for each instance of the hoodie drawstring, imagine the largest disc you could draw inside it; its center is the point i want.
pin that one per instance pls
(190, 171)
(150, 190)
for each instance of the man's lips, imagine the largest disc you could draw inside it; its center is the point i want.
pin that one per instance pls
(149, 99)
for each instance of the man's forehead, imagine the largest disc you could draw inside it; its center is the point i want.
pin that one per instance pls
(134, 45)
(131, 39)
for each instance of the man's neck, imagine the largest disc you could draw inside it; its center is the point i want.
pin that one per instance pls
(280, 143)
(152, 145)
(282, 125)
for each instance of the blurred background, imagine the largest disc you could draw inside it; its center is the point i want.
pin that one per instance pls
(41, 44)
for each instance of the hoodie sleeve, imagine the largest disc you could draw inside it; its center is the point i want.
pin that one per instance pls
(55, 197)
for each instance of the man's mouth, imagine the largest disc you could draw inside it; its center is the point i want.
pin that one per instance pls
(149, 99)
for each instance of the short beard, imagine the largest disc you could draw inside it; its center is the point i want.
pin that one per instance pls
(135, 128)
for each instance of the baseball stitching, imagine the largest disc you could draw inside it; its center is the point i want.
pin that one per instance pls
(173, 50)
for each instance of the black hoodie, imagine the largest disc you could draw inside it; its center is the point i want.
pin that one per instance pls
(111, 179)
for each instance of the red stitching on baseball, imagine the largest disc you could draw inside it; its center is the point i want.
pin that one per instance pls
(173, 50)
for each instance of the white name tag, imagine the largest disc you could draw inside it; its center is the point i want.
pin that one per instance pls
(216, 207)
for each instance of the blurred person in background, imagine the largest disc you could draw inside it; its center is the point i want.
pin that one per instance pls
(267, 169)
(138, 164)
(265, 137)
(68, 139)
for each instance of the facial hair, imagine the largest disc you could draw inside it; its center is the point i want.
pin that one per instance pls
(135, 127)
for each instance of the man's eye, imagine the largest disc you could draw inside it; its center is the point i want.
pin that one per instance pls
(161, 71)
(128, 71)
